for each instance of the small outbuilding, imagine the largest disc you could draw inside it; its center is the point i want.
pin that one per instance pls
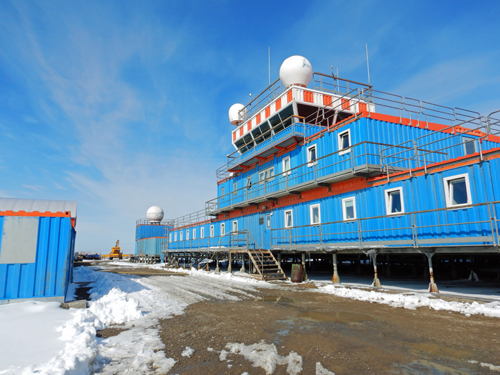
(37, 242)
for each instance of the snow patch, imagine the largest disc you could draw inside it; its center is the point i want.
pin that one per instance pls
(320, 370)
(265, 356)
(188, 352)
(413, 301)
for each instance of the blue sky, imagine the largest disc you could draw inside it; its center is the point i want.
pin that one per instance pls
(121, 105)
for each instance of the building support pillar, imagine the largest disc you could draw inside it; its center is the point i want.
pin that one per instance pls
(373, 258)
(217, 268)
(335, 278)
(432, 285)
(304, 272)
(229, 263)
(243, 269)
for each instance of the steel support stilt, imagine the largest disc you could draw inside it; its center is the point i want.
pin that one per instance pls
(229, 263)
(243, 269)
(304, 273)
(217, 268)
(432, 285)
(335, 278)
(373, 258)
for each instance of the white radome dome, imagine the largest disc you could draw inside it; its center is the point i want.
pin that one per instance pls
(236, 115)
(155, 214)
(296, 70)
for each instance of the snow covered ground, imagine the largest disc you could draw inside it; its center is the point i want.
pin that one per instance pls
(40, 337)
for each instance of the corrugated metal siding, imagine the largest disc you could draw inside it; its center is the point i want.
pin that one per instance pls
(148, 231)
(149, 246)
(51, 273)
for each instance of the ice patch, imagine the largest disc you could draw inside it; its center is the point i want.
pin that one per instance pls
(320, 370)
(188, 352)
(265, 356)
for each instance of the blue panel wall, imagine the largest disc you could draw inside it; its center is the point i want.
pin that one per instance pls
(422, 193)
(149, 230)
(51, 273)
(149, 246)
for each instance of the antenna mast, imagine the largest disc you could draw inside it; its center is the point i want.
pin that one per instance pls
(367, 63)
(269, 63)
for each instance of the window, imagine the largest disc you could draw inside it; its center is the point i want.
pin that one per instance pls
(235, 226)
(187, 235)
(180, 236)
(249, 182)
(288, 219)
(202, 232)
(222, 229)
(211, 230)
(235, 187)
(345, 142)
(315, 214)
(469, 145)
(286, 165)
(311, 156)
(175, 236)
(222, 191)
(266, 174)
(170, 237)
(394, 203)
(194, 233)
(457, 190)
(349, 208)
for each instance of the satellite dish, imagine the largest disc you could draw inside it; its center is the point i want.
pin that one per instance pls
(237, 114)
(296, 70)
(155, 214)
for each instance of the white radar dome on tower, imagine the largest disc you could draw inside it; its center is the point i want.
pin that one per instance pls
(296, 70)
(155, 214)
(237, 114)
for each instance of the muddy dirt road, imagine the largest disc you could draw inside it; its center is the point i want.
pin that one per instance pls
(345, 336)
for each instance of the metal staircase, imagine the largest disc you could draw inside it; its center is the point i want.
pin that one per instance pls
(266, 264)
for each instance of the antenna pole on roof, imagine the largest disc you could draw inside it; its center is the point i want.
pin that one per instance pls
(269, 63)
(367, 63)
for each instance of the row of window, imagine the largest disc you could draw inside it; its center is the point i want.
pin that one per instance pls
(456, 188)
(344, 144)
(202, 232)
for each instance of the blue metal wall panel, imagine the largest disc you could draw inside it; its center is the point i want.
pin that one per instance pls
(149, 246)
(150, 230)
(50, 274)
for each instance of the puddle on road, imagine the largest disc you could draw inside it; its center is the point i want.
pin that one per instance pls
(338, 316)
(427, 351)
(424, 367)
(276, 299)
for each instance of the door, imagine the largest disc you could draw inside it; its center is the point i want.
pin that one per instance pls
(267, 232)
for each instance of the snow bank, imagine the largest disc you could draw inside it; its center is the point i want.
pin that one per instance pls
(413, 301)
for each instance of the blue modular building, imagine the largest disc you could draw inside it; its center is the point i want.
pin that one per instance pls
(328, 166)
(151, 237)
(36, 249)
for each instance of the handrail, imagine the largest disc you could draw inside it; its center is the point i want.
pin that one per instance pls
(413, 216)
(294, 174)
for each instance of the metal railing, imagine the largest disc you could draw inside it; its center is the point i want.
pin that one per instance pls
(339, 165)
(241, 239)
(437, 227)
(164, 222)
(192, 218)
